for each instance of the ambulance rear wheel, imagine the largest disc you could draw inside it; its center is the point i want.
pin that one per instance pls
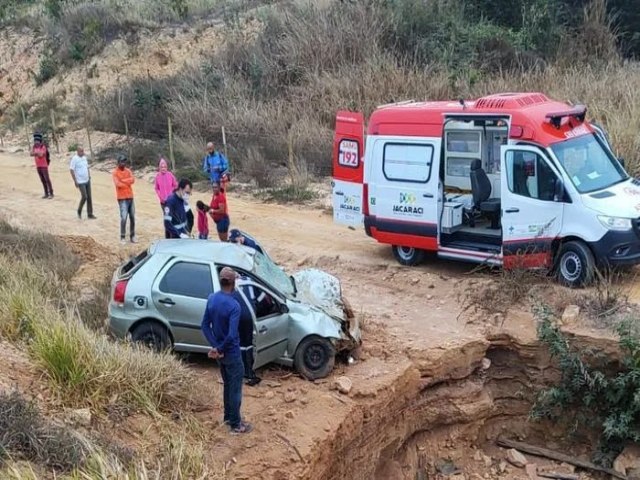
(575, 265)
(408, 255)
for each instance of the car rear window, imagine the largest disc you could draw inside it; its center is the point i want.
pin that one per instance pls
(188, 279)
(134, 262)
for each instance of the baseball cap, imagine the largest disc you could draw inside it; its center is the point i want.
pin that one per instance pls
(234, 235)
(228, 274)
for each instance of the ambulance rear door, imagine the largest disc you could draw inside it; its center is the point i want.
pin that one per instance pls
(348, 169)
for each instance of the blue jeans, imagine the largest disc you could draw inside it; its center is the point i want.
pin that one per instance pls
(127, 209)
(203, 236)
(232, 371)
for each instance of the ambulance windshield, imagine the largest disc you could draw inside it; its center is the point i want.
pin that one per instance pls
(588, 164)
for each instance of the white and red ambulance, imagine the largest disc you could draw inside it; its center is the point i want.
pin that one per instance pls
(513, 179)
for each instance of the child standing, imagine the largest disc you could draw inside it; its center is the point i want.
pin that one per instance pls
(203, 221)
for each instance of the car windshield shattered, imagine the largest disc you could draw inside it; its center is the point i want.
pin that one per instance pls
(589, 165)
(273, 274)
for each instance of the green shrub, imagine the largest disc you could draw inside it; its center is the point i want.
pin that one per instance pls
(603, 397)
(47, 69)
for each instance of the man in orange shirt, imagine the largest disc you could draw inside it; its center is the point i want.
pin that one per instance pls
(123, 179)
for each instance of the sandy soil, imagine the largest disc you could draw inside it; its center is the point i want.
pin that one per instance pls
(414, 337)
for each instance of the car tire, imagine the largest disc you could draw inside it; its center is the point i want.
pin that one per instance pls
(152, 335)
(575, 265)
(408, 255)
(315, 357)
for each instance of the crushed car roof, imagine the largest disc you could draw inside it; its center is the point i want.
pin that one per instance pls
(220, 252)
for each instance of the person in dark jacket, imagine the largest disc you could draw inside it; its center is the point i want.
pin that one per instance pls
(246, 332)
(175, 215)
(236, 236)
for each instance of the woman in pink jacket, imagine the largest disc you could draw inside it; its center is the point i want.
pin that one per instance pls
(165, 183)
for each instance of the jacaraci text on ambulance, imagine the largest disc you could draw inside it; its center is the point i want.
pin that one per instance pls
(513, 180)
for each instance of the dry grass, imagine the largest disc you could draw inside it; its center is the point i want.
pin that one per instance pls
(84, 367)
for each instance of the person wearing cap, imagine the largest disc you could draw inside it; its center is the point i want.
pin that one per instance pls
(39, 152)
(175, 215)
(220, 326)
(215, 165)
(236, 236)
(123, 179)
(79, 169)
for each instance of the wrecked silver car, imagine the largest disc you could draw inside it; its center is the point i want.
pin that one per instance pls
(159, 297)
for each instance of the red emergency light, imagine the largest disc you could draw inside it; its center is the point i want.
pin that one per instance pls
(579, 112)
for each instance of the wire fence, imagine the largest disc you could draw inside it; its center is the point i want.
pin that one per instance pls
(146, 139)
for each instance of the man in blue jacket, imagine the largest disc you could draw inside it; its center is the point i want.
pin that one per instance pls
(220, 326)
(214, 164)
(175, 215)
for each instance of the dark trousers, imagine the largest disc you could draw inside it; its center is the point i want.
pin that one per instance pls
(189, 221)
(85, 196)
(43, 173)
(127, 209)
(247, 360)
(232, 371)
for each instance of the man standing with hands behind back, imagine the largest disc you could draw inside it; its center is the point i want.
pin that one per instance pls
(79, 168)
(220, 327)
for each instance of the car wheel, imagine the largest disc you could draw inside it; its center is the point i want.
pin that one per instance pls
(408, 255)
(315, 358)
(152, 335)
(575, 266)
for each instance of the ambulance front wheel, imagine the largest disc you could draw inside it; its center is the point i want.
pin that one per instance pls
(408, 255)
(575, 265)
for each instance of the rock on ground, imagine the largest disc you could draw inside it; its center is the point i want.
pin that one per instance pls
(515, 458)
(629, 459)
(343, 385)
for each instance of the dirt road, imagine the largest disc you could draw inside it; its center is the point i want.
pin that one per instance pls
(297, 237)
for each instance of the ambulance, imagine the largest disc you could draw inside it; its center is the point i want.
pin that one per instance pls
(514, 180)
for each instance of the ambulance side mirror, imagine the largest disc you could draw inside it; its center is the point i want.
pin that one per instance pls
(558, 195)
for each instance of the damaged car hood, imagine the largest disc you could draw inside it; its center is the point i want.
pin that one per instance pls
(321, 290)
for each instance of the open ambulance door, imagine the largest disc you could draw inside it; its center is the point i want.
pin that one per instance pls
(348, 197)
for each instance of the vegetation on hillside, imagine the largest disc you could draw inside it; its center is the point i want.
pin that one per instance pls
(286, 67)
(83, 369)
(601, 394)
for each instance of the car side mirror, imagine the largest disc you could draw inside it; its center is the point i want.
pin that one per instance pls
(558, 194)
(284, 308)
(621, 160)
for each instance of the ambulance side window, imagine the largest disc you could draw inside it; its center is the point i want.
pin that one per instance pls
(407, 162)
(529, 175)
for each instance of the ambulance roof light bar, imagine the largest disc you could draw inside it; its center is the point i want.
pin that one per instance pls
(579, 112)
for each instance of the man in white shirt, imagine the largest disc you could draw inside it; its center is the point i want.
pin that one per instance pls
(79, 168)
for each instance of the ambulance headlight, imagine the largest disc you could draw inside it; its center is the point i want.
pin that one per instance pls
(615, 223)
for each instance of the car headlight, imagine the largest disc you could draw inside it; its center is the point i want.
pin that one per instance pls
(615, 223)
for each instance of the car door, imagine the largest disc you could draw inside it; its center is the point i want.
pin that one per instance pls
(532, 213)
(180, 294)
(405, 192)
(271, 322)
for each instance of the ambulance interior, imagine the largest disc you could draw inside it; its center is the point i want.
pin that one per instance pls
(471, 174)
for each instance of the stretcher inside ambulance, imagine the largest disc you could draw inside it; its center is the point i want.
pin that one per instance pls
(513, 180)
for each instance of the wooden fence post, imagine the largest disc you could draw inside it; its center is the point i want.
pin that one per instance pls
(26, 127)
(89, 141)
(126, 131)
(171, 157)
(54, 131)
(224, 142)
